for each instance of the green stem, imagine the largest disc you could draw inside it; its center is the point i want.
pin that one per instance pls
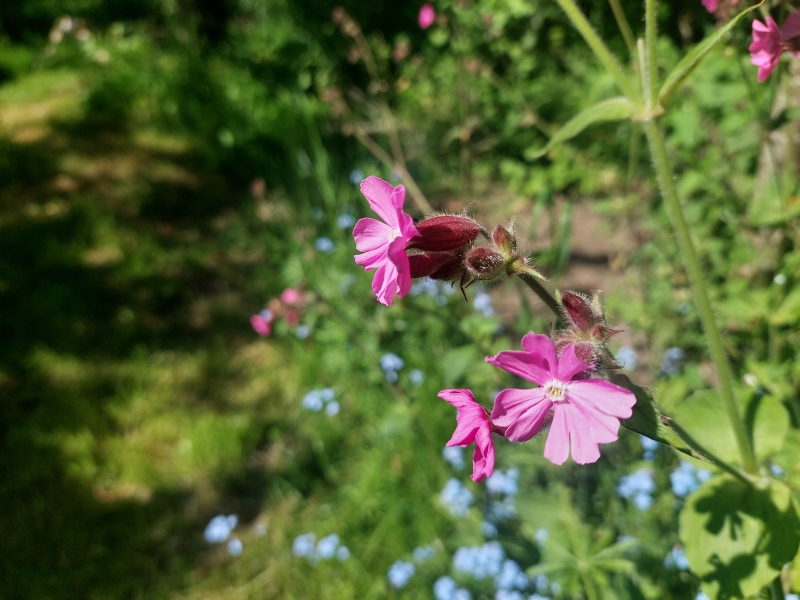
(776, 589)
(599, 48)
(651, 38)
(539, 290)
(708, 455)
(686, 246)
(624, 26)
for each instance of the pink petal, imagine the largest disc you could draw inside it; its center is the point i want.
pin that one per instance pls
(604, 396)
(484, 455)
(385, 282)
(260, 325)
(379, 195)
(556, 449)
(569, 364)
(791, 28)
(521, 412)
(371, 234)
(711, 5)
(537, 363)
(582, 434)
(426, 16)
(397, 255)
(372, 259)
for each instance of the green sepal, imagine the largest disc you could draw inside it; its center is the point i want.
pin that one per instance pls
(648, 420)
(613, 109)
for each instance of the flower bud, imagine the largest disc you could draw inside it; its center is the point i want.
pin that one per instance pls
(579, 311)
(504, 241)
(485, 264)
(445, 232)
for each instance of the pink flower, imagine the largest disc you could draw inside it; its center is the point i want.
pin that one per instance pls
(769, 42)
(426, 16)
(290, 296)
(384, 243)
(473, 426)
(711, 5)
(585, 412)
(262, 322)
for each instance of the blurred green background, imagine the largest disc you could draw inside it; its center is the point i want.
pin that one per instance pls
(167, 167)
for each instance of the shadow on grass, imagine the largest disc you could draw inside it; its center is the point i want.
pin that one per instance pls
(95, 269)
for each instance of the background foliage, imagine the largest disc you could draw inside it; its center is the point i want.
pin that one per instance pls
(136, 241)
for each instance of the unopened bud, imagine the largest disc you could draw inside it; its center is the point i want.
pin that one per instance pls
(579, 311)
(444, 233)
(441, 265)
(485, 264)
(505, 242)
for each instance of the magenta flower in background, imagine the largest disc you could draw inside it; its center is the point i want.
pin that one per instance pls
(426, 16)
(290, 296)
(711, 5)
(585, 412)
(474, 426)
(769, 42)
(262, 322)
(383, 243)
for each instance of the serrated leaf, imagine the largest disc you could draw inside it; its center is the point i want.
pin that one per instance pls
(696, 56)
(613, 109)
(648, 420)
(738, 536)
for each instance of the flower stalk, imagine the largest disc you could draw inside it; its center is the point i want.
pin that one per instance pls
(683, 237)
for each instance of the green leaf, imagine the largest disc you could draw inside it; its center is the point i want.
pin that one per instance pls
(768, 422)
(649, 421)
(456, 362)
(695, 57)
(613, 109)
(788, 312)
(737, 536)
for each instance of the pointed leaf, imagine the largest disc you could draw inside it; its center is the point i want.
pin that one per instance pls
(648, 420)
(695, 57)
(613, 109)
(738, 536)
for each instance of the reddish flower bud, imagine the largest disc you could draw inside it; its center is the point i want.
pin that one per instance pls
(444, 233)
(579, 311)
(452, 268)
(485, 264)
(503, 240)
(438, 265)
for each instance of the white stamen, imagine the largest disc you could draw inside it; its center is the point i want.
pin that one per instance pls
(556, 391)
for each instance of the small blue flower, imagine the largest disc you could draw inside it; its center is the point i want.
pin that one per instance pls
(416, 377)
(302, 332)
(219, 528)
(326, 547)
(502, 511)
(456, 497)
(503, 483)
(312, 401)
(638, 486)
(508, 595)
(345, 221)
(650, 446)
(342, 553)
(673, 361)
(424, 553)
(791, 596)
(391, 376)
(511, 577)
(235, 547)
(462, 594)
(542, 583)
(400, 573)
(324, 244)
(391, 362)
(677, 559)
(444, 588)
(481, 562)
(482, 303)
(701, 596)
(626, 357)
(488, 529)
(541, 536)
(776, 470)
(304, 545)
(686, 478)
(327, 394)
(684, 308)
(424, 286)
(537, 597)
(332, 409)
(356, 176)
(455, 456)
(266, 314)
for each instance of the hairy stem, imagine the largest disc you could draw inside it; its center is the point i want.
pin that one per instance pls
(651, 38)
(599, 48)
(624, 26)
(540, 291)
(692, 264)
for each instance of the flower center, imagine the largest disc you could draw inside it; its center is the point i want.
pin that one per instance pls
(393, 234)
(556, 391)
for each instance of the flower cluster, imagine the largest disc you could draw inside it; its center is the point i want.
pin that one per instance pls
(219, 530)
(581, 413)
(440, 247)
(316, 400)
(288, 306)
(327, 548)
